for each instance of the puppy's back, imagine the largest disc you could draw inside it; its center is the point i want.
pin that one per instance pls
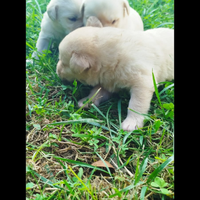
(132, 50)
(165, 44)
(139, 51)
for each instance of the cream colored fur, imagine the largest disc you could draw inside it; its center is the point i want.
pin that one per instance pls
(112, 13)
(58, 21)
(118, 59)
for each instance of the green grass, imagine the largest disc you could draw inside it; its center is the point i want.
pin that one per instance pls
(62, 141)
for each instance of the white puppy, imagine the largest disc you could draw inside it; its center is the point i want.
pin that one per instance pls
(119, 59)
(113, 13)
(61, 17)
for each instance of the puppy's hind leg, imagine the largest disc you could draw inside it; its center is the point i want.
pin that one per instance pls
(100, 97)
(139, 102)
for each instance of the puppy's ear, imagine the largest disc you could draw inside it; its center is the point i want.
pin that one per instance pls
(79, 63)
(52, 12)
(93, 21)
(126, 7)
(82, 8)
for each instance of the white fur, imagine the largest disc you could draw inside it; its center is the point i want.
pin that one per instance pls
(116, 59)
(112, 13)
(109, 10)
(56, 23)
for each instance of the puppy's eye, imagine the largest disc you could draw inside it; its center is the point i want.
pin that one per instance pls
(113, 21)
(73, 19)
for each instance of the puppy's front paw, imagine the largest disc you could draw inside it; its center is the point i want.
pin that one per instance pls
(34, 55)
(130, 124)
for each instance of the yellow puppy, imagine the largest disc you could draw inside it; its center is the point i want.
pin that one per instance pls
(118, 59)
(113, 13)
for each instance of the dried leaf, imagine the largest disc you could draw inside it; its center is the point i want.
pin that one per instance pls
(101, 164)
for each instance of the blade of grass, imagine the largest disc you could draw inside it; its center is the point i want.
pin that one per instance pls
(119, 113)
(159, 169)
(89, 100)
(46, 181)
(157, 94)
(85, 135)
(105, 164)
(79, 163)
(164, 24)
(87, 120)
(152, 11)
(65, 170)
(137, 168)
(143, 191)
(103, 127)
(169, 86)
(29, 45)
(126, 189)
(145, 115)
(40, 148)
(53, 195)
(30, 85)
(126, 136)
(91, 175)
(142, 167)
(49, 172)
(152, 5)
(81, 181)
(118, 163)
(128, 160)
(38, 7)
(99, 111)
(68, 186)
(161, 139)
(107, 120)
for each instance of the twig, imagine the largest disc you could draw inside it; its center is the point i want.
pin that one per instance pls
(78, 145)
(149, 194)
(108, 151)
(67, 143)
(30, 134)
(151, 164)
(50, 188)
(105, 193)
(63, 150)
(130, 174)
(112, 161)
(105, 180)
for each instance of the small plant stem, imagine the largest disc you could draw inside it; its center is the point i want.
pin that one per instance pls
(149, 195)
(130, 174)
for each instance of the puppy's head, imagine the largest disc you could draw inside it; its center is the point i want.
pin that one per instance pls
(77, 57)
(110, 13)
(66, 13)
(79, 67)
